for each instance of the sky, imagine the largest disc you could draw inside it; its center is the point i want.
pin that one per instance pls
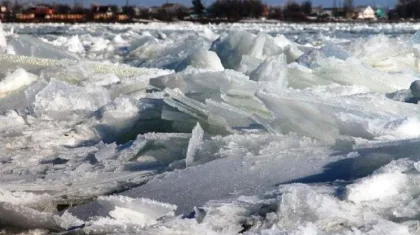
(326, 3)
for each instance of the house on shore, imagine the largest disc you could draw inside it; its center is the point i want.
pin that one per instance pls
(102, 13)
(365, 13)
(3, 12)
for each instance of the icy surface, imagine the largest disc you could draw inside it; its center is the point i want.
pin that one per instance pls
(209, 129)
(3, 43)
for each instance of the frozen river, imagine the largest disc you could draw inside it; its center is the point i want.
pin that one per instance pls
(210, 129)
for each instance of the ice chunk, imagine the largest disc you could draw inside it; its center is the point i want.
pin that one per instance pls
(74, 45)
(353, 71)
(205, 60)
(60, 100)
(30, 46)
(15, 81)
(296, 115)
(333, 50)
(141, 211)
(377, 187)
(118, 119)
(194, 143)
(167, 54)
(300, 77)
(310, 59)
(27, 218)
(102, 79)
(415, 39)
(100, 44)
(3, 43)
(402, 128)
(231, 47)
(119, 40)
(279, 44)
(186, 105)
(272, 71)
(378, 48)
(248, 64)
(228, 117)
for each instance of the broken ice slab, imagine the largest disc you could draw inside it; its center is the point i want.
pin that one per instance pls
(230, 116)
(310, 58)
(233, 45)
(301, 77)
(415, 39)
(333, 50)
(272, 71)
(378, 48)
(140, 211)
(186, 105)
(26, 45)
(293, 115)
(242, 50)
(354, 72)
(26, 218)
(205, 60)
(62, 101)
(193, 144)
(3, 43)
(34, 63)
(168, 54)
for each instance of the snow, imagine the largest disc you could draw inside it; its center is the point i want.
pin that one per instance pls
(209, 129)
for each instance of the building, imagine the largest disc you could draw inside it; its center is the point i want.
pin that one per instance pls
(102, 13)
(365, 13)
(380, 14)
(39, 12)
(3, 12)
(327, 12)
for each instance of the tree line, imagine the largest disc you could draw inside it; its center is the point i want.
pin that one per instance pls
(228, 10)
(240, 9)
(406, 9)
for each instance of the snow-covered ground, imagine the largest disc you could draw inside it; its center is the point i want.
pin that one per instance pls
(210, 129)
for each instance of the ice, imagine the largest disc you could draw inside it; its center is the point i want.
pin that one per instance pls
(377, 187)
(378, 48)
(289, 117)
(268, 128)
(205, 60)
(272, 71)
(102, 79)
(60, 100)
(3, 43)
(168, 55)
(26, 218)
(353, 71)
(15, 81)
(29, 46)
(195, 141)
(332, 50)
(310, 59)
(142, 212)
(415, 39)
(74, 45)
(233, 46)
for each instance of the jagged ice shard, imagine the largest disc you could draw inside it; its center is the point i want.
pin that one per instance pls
(209, 129)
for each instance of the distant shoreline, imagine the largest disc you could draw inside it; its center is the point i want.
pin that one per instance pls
(246, 21)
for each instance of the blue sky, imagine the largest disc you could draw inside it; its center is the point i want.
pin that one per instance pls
(390, 3)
